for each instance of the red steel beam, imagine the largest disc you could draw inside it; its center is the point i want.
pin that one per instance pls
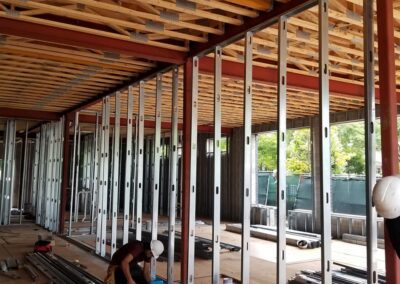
(47, 33)
(84, 118)
(65, 176)
(387, 83)
(269, 75)
(28, 114)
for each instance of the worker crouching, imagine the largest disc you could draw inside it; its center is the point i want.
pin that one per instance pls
(124, 266)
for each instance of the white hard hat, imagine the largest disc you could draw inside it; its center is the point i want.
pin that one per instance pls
(386, 197)
(157, 248)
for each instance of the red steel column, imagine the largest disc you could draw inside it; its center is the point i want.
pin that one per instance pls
(388, 106)
(65, 176)
(187, 119)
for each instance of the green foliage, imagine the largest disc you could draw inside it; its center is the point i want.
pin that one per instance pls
(267, 151)
(298, 151)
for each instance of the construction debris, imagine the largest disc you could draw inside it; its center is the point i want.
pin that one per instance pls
(60, 270)
(344, 275)
(295, 238)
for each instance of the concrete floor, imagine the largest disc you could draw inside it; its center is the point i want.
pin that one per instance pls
(16, 241)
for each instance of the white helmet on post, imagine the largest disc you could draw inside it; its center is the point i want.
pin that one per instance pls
(386, 197)
(157, 248)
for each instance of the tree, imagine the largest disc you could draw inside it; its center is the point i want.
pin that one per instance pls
(298, 151)
(267, 151)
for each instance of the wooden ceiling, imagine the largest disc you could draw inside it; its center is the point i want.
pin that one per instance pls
(42, 75)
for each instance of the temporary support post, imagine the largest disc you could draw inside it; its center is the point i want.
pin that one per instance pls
(156, 171)
(173, 176)
(388, 103)
(370, 144)
(106, 119)
(128, 166)
(193, 167)
(217, 166)
(139, 191)
(247, 112)
(281, 192)
(95, 174)
(115, 184)
(325, 156)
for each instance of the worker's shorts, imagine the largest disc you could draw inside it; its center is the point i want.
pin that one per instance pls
(136, 272)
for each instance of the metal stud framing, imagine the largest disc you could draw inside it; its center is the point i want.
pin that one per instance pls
(77, 176)
(95, 176)
(247, 111)
(370, 169)
(35, 172)
(106, 133)
(281, 193)
(128, 166)
(156, 171)
(217, 166)
(193, 167)
(134, 170)
(325, 164)
(139, 191)
(115, 183)
(76, 125)
(25, 173)
(173, 176)
(47, 174)
(101, 180)
(8, 173)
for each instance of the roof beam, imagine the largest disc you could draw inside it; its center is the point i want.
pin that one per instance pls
(28, 114)
(269, 75)
(47, 33)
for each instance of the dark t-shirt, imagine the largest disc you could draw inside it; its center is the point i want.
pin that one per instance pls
(135, 248)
